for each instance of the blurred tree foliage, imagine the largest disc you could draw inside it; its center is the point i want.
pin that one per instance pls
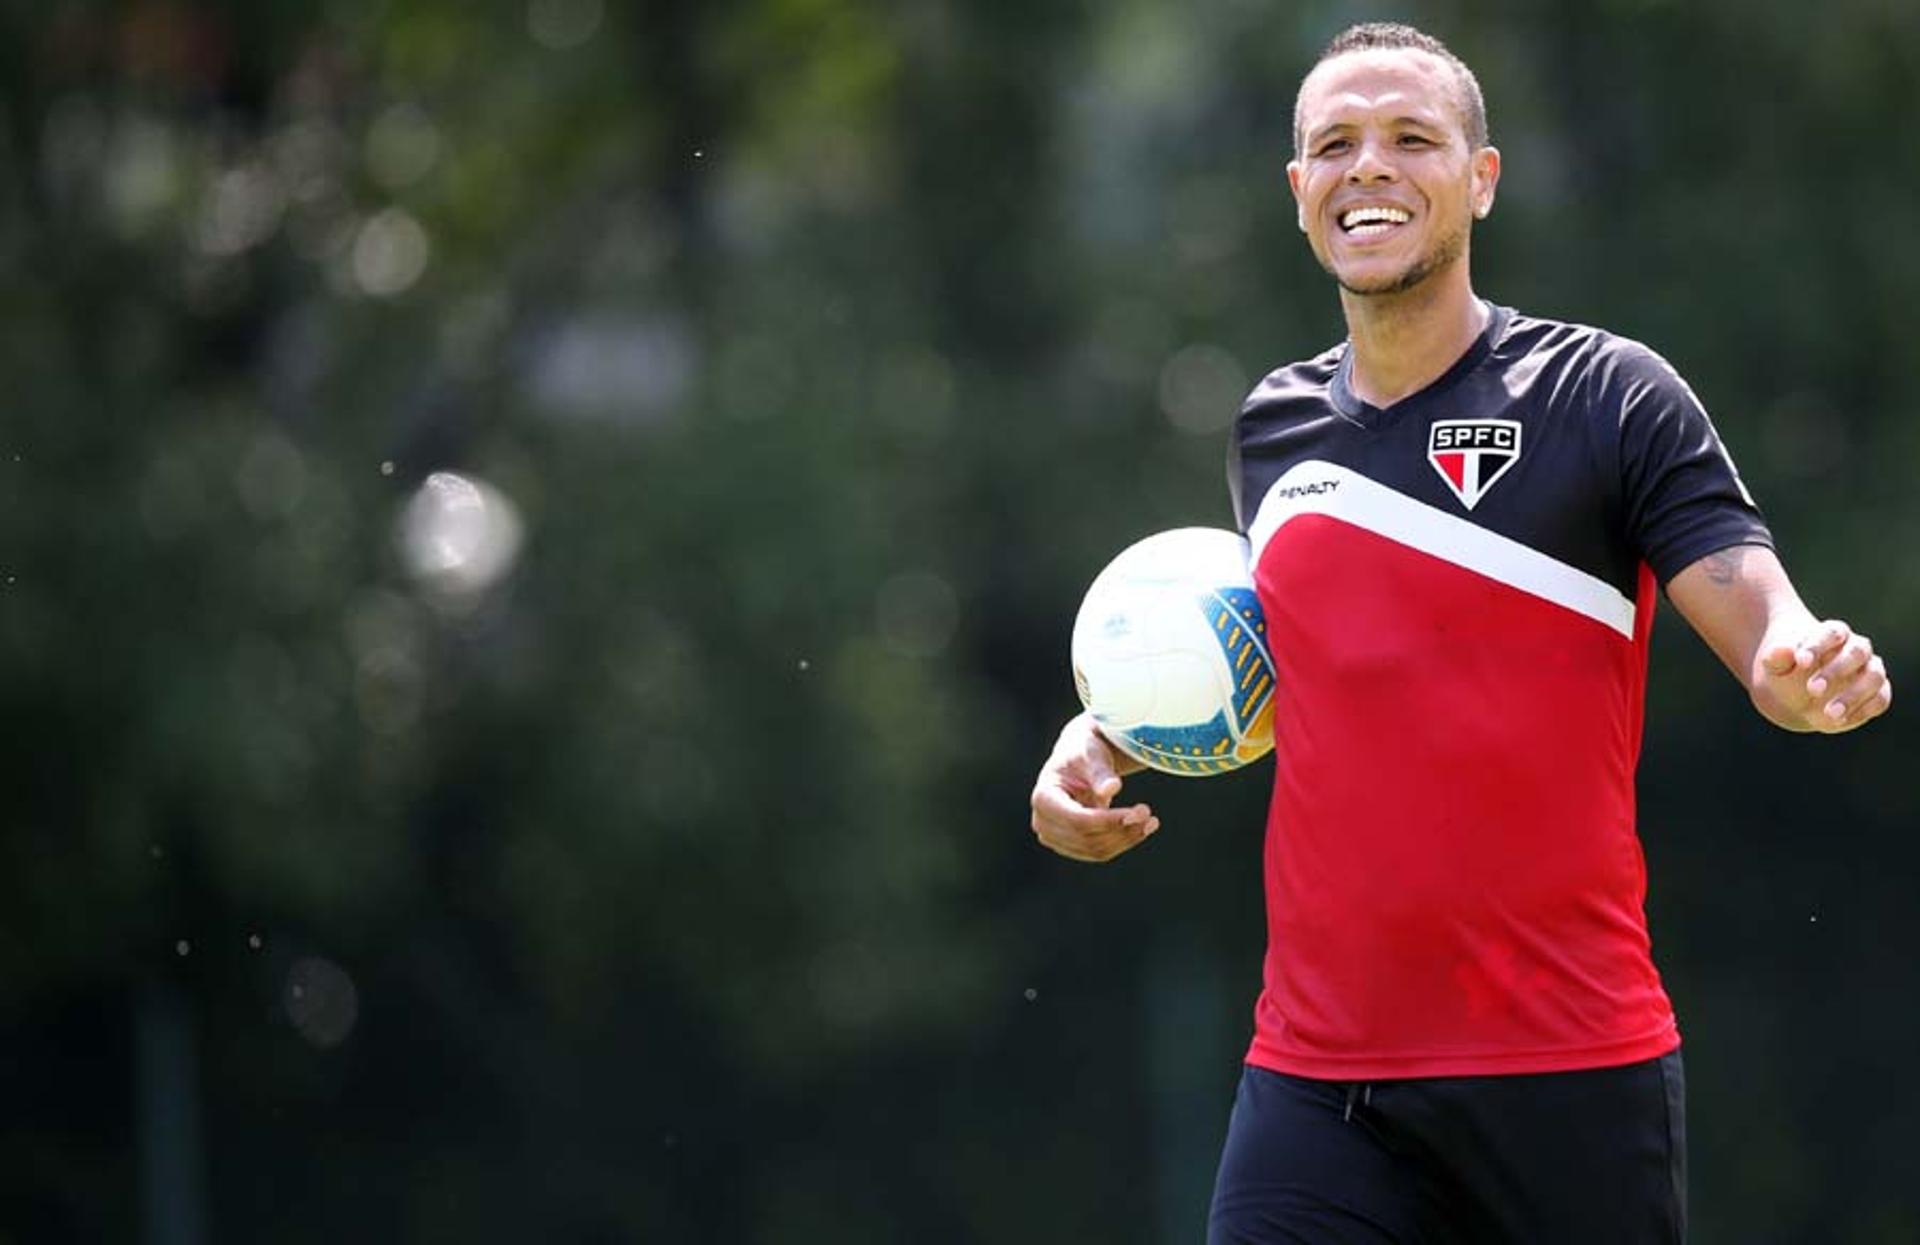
(673, 885)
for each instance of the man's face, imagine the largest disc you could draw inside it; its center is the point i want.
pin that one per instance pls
(1386, 185)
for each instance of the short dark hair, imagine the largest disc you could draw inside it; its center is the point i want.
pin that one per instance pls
(1374, 36)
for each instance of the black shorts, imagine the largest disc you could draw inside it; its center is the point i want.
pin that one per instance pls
(1562, 1157)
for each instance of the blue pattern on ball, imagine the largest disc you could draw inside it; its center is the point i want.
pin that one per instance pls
(1241, 629)
(1204, 748)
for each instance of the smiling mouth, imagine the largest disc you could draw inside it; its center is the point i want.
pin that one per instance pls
(1372, 222)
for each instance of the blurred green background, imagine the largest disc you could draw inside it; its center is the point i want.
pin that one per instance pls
(622, 838)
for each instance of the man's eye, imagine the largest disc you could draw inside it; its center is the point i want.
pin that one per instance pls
(1331, 145)
(1415, 140)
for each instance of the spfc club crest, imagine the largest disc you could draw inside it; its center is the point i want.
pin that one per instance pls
(1472, 454)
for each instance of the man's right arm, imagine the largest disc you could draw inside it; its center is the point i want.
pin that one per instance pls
(1073, 811)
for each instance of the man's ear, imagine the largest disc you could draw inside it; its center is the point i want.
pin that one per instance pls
(1294, 174)
(1486, 177)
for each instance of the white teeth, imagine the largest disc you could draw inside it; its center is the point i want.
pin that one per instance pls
(1376, 217)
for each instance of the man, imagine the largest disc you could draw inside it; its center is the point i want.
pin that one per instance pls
(1458, 519)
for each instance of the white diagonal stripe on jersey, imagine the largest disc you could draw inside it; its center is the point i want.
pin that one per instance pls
(1315, 487)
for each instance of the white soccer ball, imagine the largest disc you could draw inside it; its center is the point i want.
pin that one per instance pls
(1170, 654)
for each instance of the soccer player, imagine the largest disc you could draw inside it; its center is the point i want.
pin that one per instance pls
(1458, 520)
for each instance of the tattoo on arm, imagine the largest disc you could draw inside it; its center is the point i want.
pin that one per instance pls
(1723, 568)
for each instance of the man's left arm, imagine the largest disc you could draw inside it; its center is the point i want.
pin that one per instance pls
(1803, 673)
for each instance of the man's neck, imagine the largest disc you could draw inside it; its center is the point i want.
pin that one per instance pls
(1401, 343)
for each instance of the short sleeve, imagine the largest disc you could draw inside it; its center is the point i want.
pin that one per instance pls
(1682, 495)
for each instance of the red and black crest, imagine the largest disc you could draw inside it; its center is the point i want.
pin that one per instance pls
(1471, 454)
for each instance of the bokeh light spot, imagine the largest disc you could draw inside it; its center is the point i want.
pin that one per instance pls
(402, 146)
(459, 535)
(389, 253)
(321, 1001)
(619, 368)
(1201, 388)
(240, 210)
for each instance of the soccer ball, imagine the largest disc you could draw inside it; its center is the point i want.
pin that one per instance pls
(1170, 654)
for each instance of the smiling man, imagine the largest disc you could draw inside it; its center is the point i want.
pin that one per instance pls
(1459, 520)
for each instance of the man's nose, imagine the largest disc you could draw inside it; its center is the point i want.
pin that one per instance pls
(1370, 164)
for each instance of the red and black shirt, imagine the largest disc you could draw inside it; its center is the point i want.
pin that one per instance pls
(1459, 590)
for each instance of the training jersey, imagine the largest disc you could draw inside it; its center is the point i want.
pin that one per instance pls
(1459, 590)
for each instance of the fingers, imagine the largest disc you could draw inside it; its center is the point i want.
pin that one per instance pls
(1865, 695)
(1846, 689)
(1098, 851)
(1872, 704)
(1841, 665)
(1064, 825)
(1807, 652)
(1827, 641)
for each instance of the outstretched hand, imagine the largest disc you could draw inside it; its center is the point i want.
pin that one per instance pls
(1826, 679)
(1073, 811)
